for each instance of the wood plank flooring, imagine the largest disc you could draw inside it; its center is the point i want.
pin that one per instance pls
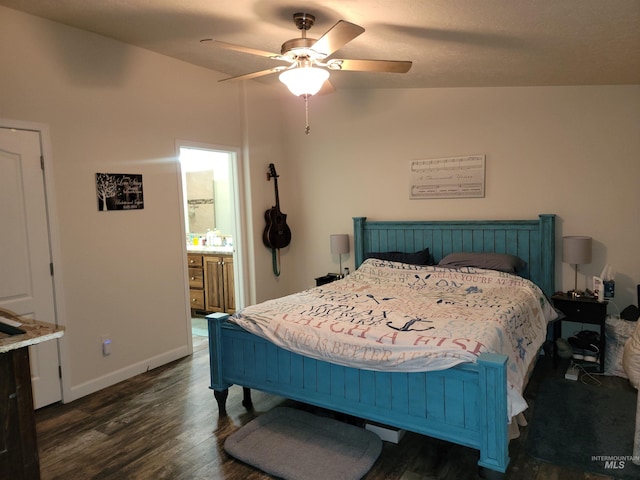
(164, 424)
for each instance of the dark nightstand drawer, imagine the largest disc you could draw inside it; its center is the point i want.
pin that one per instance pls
(582, 310)
(328, 278)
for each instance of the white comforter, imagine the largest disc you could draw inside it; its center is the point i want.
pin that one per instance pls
(391, 316)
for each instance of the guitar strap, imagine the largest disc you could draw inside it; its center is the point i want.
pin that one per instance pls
(275, 257)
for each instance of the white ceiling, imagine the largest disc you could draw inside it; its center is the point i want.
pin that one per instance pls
(452, 43)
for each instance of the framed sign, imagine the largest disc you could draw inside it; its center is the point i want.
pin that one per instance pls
(452, 177)
(119, 191)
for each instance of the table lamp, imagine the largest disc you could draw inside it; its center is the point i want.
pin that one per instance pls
(339, 245)
(576, 250)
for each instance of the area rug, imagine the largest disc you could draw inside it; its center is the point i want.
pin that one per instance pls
(584, 426)
(297, 445)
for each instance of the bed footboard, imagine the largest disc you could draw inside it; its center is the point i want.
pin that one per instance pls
(466, 404)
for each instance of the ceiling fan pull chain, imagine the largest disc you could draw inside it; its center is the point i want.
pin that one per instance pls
(307, 128)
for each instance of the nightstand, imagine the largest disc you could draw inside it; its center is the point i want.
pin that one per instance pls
(581, 310)
(328, 278)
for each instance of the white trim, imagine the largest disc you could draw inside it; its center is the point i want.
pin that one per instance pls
(239, 237)
(185, 266)
(127, 372)
(54, 242)
(245, 205)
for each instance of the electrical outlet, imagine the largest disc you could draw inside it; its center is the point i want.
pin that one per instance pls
(106, 344)
(572, 373)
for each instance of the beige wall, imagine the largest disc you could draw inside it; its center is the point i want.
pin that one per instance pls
(572, 151)
(119, 109)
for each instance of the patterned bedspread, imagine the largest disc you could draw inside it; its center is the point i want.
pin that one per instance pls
(391, 316)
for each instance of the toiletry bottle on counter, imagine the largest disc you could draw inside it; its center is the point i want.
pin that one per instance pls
(217, 241)
(210, 238)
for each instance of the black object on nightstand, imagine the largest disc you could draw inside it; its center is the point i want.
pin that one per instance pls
(581, 310)
(328, 278)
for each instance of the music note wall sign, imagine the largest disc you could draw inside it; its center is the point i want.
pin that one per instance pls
(452, 177)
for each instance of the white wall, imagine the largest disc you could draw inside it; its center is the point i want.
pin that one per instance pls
(265, 145)
(118, 109)
(572, 151)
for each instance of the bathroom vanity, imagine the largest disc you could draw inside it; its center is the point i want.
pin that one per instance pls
(211, 279)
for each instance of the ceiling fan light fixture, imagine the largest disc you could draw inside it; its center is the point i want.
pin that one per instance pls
(304, 80)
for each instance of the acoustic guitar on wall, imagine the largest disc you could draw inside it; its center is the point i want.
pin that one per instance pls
(277, 233)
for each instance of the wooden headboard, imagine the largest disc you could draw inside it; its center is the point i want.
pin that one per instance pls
(531, 240)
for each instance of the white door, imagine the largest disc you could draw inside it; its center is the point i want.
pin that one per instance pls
(26, 283)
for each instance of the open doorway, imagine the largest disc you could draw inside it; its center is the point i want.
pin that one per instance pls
(211, 233)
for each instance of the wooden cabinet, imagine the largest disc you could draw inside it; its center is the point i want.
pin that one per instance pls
(218, 279)
(196, 282)
(211, 283)
(19, 458)
(18, 444)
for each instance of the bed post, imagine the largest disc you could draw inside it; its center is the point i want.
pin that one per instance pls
(218, 385)
(358, 239)
(494, 438)
(548, 253)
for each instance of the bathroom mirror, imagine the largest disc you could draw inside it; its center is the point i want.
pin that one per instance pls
(200, 201)
(206, 184)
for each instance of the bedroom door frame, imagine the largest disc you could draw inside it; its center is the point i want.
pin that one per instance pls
(238, 233)
(55, 255)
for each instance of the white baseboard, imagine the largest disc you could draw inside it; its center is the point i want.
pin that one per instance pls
(92, 386)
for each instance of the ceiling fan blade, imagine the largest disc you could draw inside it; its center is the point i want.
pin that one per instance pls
(336, 37)
(240, 48)
(261, 73)
(393, 66)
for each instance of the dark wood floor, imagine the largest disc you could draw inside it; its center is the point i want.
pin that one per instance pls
(164, 424)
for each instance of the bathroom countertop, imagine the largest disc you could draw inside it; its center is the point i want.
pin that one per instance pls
(208, 250)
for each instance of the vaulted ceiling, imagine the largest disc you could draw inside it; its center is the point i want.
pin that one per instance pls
(452, 43)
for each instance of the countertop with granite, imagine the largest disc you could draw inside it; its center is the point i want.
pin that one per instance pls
(206, 250)
(36, 332)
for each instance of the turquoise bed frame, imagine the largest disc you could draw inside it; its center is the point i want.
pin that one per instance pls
(466, 404)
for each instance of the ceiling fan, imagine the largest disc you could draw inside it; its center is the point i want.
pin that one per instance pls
(308, 58)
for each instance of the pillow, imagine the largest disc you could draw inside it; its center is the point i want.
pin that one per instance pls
(631, 357)
(503, 262)
(617, 333)
(423, 257)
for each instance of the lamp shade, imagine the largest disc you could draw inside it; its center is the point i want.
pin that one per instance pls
(304, 80)
(339, 243)
(576, 250)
